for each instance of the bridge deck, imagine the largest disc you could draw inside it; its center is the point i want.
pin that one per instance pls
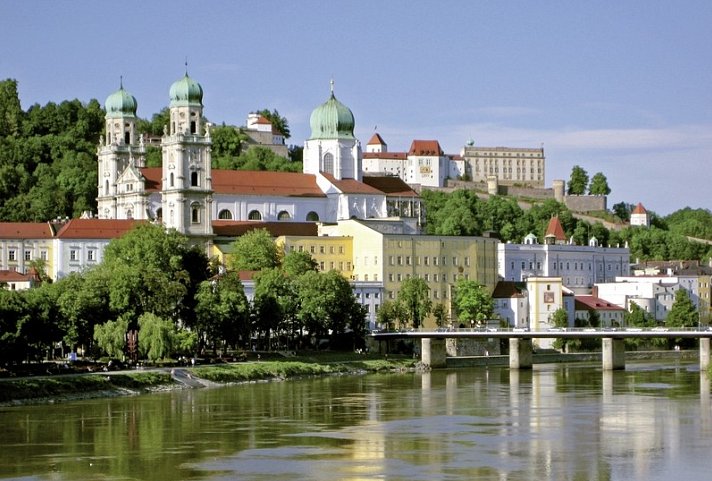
(562, 333)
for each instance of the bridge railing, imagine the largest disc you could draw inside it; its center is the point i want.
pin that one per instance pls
(660, 329)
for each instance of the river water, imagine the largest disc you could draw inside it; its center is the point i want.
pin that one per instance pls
(652, 421)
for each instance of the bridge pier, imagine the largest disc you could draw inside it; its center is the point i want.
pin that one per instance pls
(520, 353)
(704, 353)
(613, 354)
(433, 352)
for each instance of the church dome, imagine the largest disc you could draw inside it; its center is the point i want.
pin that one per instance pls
(120, 104)
(332, 120)
(186, 91)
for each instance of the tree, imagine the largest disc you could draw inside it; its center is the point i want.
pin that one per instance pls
(474, 304)
(296, 263)
(111, 336)
(560, 319)
(10, 110)
(578, 181)
(622, 210)
(253, 251)
(275, 302)
(390, 314)
(227, 145)
(414, 295)
(279, 123)
(440, 314)
(599, 185)
(157, 337)
(683, 312)
(222, 311)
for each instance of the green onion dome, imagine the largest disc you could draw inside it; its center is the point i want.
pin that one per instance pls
(332, 120)
(186, 92)
(120, 104)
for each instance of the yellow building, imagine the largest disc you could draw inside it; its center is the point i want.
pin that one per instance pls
(24, 242)
(330, 253)
(382, 254)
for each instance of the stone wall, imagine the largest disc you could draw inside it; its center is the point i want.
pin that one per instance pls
(585, 203)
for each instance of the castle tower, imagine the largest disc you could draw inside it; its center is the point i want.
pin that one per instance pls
(118, 150)
(186, 193)
(332, 147)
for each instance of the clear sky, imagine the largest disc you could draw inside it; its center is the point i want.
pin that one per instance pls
(619, 87)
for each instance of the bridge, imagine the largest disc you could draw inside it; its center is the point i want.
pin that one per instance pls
(433, 350)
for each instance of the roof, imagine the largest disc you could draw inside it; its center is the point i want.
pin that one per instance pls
(593, 303)
(385, 155)
(232, 228)
(253, 182)
(96, 228)
(263, 120)
(554, 229)
(376, 140)
(390, 185)
(509, 289)
(25, 230)
(153, 176)
(425, 147)
(639, 209)
(14, 276)
(351, 186)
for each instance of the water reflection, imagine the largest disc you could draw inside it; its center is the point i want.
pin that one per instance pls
(555, 422)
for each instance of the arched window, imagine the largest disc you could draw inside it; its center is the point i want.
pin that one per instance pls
(313, 217)
(159, 214)
(171, 181)
(283, 215)
(254, 215)
(194, 179)
(106, 187)
(225, 215)
(328, 165)
(129, 214)
(195, 213)
(192, 127)
(127, 137)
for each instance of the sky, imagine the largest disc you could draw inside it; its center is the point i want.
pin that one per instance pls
(618, 87)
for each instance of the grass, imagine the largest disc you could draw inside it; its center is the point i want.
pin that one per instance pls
(51, 388)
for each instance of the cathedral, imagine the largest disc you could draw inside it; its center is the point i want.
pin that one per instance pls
(186, 194)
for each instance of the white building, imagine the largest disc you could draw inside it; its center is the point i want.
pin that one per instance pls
(580, 267)
(509, 165)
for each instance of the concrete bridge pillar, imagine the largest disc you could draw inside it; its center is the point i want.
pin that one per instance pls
(520, 353)
(613, 354)
(433, 352)
(704, 353)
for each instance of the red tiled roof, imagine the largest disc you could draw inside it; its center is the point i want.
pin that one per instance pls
(14, 276)
(351, 186)
(595, 303)
(376, 140)
(385, 155)
(153, 176)
(263, 120)
(509, 289)
(252, 182)
(25, 230)
(236, 228)
(390, 185)
(554, 228)
(425, 147)
(96, 228)
(639, 209)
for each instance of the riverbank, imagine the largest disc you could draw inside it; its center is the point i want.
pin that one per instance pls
(62, 388)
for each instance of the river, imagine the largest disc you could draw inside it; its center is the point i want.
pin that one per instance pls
(652, 421)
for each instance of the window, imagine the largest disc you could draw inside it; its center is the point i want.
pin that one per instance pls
(194, 179)
(28, 255)
(43, 255)
(313, 217)
(171, 182)
(331, 249)
(254, 215)
(283, 215)
(91, 255)
(390, 277)
(195, 213)
(426, 260)
(328, 163)
(321, 265)
(400, 260)
(225, 215)
(312, 249)
(73, 255)
(11, 255)
(129, 187)
(321, 250)
(467, 261)
(341, 249)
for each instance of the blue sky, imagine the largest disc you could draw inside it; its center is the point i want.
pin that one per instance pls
(619, 87)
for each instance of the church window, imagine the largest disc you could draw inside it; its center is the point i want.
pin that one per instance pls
(283, 215)
(159, 214)
(106, 188)
(192, 127)
(225, 215)
(313, 216)
(328, 166)
(194, 179)
(172, 180)
(127, 137)
(254, 215)
(129, 214)
(195, 213)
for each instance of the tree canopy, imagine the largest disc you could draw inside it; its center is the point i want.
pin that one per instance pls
(473, 303)
(578, 181)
